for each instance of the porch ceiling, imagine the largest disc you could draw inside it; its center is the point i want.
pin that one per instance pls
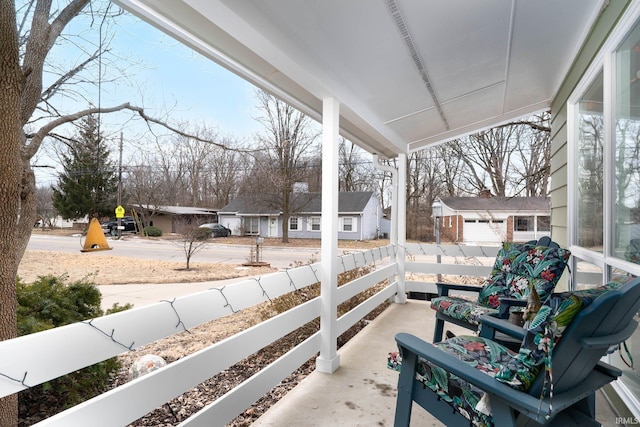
(407, 73)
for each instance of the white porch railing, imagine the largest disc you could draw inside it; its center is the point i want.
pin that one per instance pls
(33, 359)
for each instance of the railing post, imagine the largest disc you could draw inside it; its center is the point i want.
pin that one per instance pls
(329, 360)
(396, 203)
(401, 218)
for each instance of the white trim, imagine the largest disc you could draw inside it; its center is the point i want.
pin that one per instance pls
(299, 226)
(310, 224)
(354, 224)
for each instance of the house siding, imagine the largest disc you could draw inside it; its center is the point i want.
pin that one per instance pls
(367, 224)
(370, 220)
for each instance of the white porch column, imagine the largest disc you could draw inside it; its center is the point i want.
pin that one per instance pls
(401, 225)
(329, 360)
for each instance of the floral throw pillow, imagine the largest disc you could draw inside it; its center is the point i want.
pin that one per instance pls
(496, 285)
(545, 331)
(527, 265)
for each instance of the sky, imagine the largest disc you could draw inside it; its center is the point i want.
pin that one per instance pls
(157, 73)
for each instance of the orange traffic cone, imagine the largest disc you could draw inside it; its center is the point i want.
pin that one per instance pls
(95, 240)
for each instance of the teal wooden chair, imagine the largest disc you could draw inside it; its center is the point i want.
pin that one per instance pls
(552, 380)
(518, 268)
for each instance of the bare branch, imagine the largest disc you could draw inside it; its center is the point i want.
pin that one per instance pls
(37, 137)
(42, 37)
(53, 89)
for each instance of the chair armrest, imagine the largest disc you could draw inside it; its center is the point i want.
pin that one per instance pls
(489, 325)
(444, 288)
(609, 340)
(507, 303)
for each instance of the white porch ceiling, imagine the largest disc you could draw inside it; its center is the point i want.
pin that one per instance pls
(408, 73)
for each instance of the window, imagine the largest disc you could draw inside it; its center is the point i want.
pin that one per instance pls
(604, 175)
(314, 223)
(348, 224)
(523, 223)
(626, 185)
(295, 223)
(251, 225)
(544, 223)
(589, 167)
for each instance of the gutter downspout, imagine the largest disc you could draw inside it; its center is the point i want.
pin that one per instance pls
(398, 222)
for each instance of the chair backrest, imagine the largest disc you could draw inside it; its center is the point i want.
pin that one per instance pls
(519, 266)
(609, 318)
(545, 241)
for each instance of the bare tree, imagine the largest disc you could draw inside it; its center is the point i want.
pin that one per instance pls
(534, 152)
(355, 174)
(423, 185)
(509, 159)
(144, 185)
(44, 207)
(451, 166)
(193, 240)
(286, 144)
(29, 115)
(226, 170)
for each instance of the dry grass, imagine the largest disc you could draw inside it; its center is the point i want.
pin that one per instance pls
(115, 270)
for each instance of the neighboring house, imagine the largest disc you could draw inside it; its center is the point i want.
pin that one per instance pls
(59, 222)
(494, 219)
(359, 217)
(169, 218)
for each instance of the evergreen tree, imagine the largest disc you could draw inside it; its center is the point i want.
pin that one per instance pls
(88, 183)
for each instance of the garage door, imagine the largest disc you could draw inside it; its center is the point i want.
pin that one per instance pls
(485, 231)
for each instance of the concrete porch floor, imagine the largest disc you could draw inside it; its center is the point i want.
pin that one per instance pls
(362, 391)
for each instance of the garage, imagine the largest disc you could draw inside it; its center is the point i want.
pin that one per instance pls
(484, 230)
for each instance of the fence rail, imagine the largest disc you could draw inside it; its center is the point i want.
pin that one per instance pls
(23, 363)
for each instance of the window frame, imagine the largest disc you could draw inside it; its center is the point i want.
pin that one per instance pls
(353, 224)
(298, 223)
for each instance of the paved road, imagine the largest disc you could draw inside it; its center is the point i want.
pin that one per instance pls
(143, 294)
(166, 250)
(133, 247)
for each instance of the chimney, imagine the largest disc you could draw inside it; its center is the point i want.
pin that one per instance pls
(485, 193)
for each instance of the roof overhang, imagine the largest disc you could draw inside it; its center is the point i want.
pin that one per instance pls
(408, 74)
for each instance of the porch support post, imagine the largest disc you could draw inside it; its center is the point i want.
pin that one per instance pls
(400, 199)
(329, 360)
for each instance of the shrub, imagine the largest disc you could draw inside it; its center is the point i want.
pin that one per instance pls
(152, 231)
(50, 302)
(202, 233)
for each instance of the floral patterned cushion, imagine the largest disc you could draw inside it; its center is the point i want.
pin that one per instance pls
(481, 353)
(459, 308)
(539, 266)
(545, 331)
(518, 268)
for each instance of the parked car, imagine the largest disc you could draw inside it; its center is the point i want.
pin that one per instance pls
(111, 226)
(217, 230)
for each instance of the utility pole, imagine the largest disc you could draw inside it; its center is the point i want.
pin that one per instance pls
(120, 187)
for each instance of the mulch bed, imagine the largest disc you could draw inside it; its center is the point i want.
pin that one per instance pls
(179, 409)
(183, 407)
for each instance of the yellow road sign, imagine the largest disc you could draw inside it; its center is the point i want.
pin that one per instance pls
(119, 212)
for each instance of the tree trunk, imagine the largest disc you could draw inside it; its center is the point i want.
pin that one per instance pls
(11, 82)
